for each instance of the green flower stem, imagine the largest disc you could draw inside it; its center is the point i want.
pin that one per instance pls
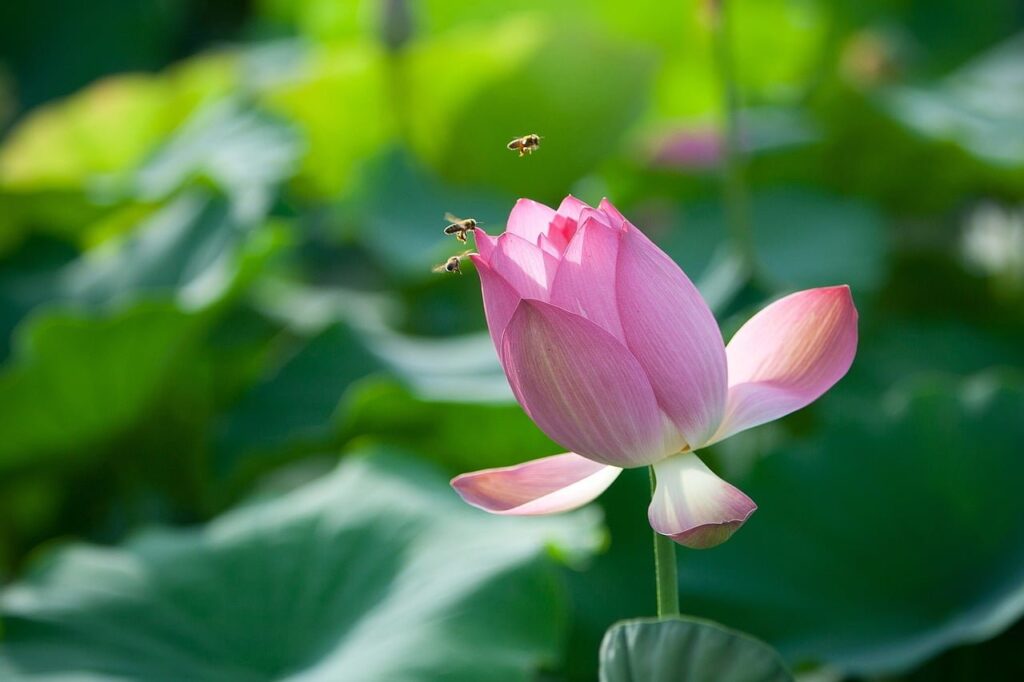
(734, 184)
(667, 579)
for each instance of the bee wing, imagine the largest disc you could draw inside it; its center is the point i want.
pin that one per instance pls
(452, 218)
(439, 268)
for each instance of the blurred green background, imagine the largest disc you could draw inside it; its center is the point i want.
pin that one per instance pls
(232, 389)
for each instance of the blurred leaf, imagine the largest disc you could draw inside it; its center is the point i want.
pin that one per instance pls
(441, 397)
(457, 367)
(924, 149)
(55, 211)
(792, 32)
(337, 99)
(76, 378)
(686, 650)
(577, 89)
(855, 556)
(944, 33)
(376, 571)
(901, 349)
(188, 247)
(461, 367)
(322, 19)
(108, 126)
(398, 214)
(243, 151)
(55, 165)
(192, 245)
(294, 405)
(804, 238)
(27, 279)
(85, 42)
(979, 107)
(994, 660)
(459, 435)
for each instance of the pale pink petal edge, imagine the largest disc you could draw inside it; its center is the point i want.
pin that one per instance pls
(787, 355)
(693, 506)
(548, 485)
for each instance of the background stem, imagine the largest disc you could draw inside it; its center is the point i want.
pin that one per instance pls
(666, 576)
(734, 187)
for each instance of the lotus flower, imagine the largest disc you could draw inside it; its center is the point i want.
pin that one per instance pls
(613, 353)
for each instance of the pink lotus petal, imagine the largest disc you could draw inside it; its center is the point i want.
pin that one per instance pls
(585, 280)
(500, 299)
(787, 355)
(548, 246)
(670, 330)
(529, 219)
(484, 243)
(598, 215)
(693, 506)
(543, 486)
(571, 207)
(616, 218)
(524, 265)
(581, 386)
(560, 233)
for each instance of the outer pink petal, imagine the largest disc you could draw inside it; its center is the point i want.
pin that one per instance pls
(524, 265)
(529, 219)
(543, 486)
(571, 207)
(693, 506)
(581, 386)
(787, 355)
(548, 246)
(500, 299)
(673, 334)
(484, 243)
(585, 280)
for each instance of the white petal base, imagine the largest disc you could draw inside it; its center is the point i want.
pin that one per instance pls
(693, 506)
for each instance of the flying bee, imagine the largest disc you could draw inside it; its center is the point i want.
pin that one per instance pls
(526, 144)
(459, 226)
(450, 265)
(453, 264)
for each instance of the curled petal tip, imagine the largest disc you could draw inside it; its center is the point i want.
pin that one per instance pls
(695, 507)
(710, 534)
